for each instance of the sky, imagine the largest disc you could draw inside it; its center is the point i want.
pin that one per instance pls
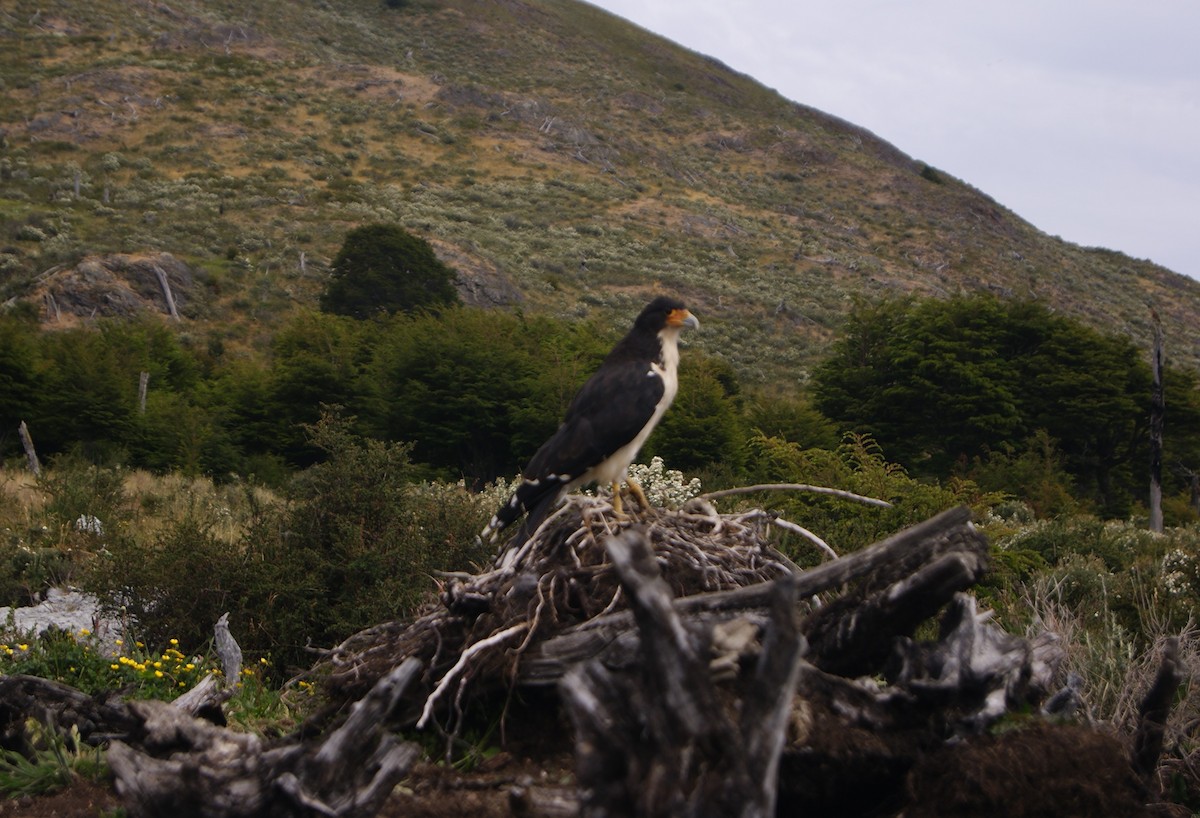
(1083, 118)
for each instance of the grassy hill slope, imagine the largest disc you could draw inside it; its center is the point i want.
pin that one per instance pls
(560, 158)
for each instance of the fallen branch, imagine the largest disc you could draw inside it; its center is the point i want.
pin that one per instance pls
(839, 493)
(173, 764)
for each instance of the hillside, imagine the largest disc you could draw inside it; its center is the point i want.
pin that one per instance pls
(559, 158)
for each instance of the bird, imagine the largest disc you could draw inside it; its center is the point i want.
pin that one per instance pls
(606, 423)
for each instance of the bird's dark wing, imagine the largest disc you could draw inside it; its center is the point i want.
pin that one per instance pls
(609, 410)
(612, 407)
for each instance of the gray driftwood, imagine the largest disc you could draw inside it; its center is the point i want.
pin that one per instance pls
(167, 761)
(173, 764)
(658, 740)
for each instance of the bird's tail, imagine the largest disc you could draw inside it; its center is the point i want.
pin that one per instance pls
(534, 519)
(534, 498)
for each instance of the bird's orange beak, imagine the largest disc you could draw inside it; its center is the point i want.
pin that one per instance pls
(682, 318)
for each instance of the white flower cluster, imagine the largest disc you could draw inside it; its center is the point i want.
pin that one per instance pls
(1177, 569)
(663, 486)
(496, 494)
(1016, 541)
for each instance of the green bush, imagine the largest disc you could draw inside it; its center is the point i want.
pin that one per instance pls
(1034, 473)
(357, 544)
(174, 586)
(858, 466)
(1118, 545)
(382, 268)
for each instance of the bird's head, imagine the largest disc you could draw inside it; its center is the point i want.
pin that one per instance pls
(664, 312)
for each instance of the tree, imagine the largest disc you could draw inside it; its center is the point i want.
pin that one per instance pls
(89, 398)
(382, 268)
(703, 428)
(942, 382)
(931, 381)
(477, 391)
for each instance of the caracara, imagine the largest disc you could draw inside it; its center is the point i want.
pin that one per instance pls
(607, 422)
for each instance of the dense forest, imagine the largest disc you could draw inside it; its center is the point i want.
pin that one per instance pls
(970, 388)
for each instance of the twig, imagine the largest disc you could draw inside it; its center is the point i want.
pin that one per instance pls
(482, 644)
(806, 534)
(844, 495)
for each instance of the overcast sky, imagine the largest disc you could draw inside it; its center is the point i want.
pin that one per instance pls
(1081, 117)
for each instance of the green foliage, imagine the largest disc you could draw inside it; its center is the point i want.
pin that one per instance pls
(316, 362)
(52, 762)
(382, 268)
(176, 586)
(703, 429)
(355, 545)
(1116, 544)
(1034, 471)
(794, 419)
(940, 382)
(478, 391)
(859, 466)
(88, 399)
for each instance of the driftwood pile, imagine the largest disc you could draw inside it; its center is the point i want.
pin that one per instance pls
(701, 673)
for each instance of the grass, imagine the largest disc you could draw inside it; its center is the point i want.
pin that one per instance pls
(54, 763)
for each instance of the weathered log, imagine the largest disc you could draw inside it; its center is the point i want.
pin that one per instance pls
(173, 764)
(60, 707)
(656, 739)
(854, 635)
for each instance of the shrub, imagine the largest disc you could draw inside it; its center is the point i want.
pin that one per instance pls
(175, 585)
(857, 466)
(382, 268)
(356, 545)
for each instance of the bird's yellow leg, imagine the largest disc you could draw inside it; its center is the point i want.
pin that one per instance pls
(638, 493)
(616, 500)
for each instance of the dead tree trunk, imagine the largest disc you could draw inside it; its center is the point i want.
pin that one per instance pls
(168, 296)
(31, 458)
(143, 385)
